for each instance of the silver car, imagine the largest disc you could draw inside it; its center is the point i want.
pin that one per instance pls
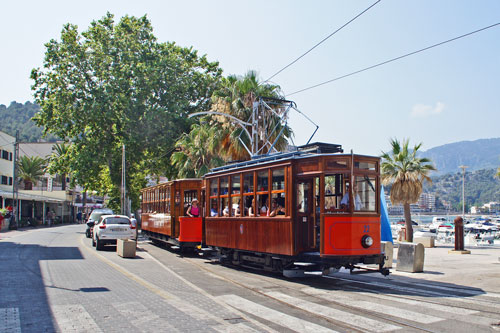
(110, 228)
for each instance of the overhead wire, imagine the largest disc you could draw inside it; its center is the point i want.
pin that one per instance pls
(323, 40)
(393, 59)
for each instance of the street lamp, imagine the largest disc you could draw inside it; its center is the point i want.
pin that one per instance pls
(463, 167)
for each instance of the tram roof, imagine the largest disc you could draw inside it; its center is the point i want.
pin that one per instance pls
(305, 151)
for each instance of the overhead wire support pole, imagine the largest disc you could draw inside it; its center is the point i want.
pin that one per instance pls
(324, 39)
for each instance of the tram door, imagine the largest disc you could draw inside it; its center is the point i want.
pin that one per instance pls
(305, 214)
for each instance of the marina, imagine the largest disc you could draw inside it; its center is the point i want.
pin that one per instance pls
(478, 230)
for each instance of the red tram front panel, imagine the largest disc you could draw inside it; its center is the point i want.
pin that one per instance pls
(190, 229)
(344, 235)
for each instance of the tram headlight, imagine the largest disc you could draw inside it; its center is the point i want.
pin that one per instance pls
(366, 241)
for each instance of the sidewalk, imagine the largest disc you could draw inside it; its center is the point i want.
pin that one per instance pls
(479, 269)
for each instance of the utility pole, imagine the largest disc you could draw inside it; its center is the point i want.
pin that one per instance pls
(124, 188)
(463, 167)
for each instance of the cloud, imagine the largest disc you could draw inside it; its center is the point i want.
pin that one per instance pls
(421, 110)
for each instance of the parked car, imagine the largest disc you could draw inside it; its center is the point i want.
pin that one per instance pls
(94, 217)
(110, 228)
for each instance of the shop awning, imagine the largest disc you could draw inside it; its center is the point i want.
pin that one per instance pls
(25, 196)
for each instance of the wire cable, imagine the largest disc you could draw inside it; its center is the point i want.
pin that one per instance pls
(393, 59)
(324, 39)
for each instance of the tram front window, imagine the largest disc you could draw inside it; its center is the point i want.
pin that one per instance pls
(365, 194)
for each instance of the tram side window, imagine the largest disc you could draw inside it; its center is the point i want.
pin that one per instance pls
(235, 197)
(213, 207)
(262, 193)
(278, 179)
(224, 198)
(168, 200)
(277, 205)
(262, 204)
(248, 182)
(334, 191)
(365, 194)
(224, 206)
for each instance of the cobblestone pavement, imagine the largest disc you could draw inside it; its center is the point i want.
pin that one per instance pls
(52, 280)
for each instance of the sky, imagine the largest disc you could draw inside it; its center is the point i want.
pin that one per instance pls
(443, 95)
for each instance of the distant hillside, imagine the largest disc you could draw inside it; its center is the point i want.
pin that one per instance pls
(18, 116)
(481, 187)
(477, 155)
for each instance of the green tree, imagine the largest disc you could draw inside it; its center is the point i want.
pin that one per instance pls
(31, 169)
(116, 85)
(406, 172)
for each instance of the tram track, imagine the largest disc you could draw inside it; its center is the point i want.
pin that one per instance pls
(368, 313)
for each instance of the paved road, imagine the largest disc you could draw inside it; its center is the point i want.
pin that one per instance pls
(52, 280)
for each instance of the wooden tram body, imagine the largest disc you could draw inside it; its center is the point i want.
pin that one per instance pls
(164, 209)
(316, 208)
(315, 226)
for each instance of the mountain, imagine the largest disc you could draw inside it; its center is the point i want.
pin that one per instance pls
(477, 155)
(18, 116)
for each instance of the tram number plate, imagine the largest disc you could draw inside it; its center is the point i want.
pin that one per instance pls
(304, 219)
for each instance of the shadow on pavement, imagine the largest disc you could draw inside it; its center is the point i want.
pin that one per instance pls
(22, 286)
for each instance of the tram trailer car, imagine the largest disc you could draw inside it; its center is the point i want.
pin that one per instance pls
(164, 209)
(314, 209)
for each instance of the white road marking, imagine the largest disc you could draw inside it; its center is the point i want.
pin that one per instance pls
(9, 320)
(376, 307)
(74, 317)
(418, 291)
(338, 315)
(271, 315)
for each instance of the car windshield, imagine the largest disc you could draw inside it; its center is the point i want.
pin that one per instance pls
(97, 214)
(117, 220)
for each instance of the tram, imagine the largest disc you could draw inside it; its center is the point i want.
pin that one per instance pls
(163, 217)
(314, 209)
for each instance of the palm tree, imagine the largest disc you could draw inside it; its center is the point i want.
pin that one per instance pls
(236, 98)
(197, 151)
(406, 172)
(31, 169)
(59, 154)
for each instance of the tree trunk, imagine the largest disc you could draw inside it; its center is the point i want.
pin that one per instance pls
(408, 224)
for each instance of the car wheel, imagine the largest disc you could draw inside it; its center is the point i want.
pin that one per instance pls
(98, 244)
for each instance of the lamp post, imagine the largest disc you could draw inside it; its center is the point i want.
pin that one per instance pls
(463, 167)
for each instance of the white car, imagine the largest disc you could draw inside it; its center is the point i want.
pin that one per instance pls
(110, 228)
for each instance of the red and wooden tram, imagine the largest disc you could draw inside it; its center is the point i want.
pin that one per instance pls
(164, 209)
(313, 209)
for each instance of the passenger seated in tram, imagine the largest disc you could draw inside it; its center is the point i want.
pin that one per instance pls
(276, 209)
(225, 212)
(250, 209)
(261, 200)
(213, 210)
(236, 209)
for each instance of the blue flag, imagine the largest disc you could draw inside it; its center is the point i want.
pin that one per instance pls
(385, 225)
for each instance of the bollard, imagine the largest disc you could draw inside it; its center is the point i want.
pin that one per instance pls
(425, 241)
(388, 250)
(459, 233)
(410, 257)
(126, 248)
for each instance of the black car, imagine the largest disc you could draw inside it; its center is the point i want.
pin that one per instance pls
(94, 217)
